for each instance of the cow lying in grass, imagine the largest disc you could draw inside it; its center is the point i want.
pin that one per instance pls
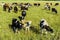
(44, 25)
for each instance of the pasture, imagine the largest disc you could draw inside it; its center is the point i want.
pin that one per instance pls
(35, 14)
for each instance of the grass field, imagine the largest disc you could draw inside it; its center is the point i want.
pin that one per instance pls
(35, 14)
(30, 0)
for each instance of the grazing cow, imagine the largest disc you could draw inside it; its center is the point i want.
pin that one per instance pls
(54, 10)
(44, 25)
(5, 6)
(23, 13)
(27, 25)
(56, 4)
(15, 9)
(16, 25)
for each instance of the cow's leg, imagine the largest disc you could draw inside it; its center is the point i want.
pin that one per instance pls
(14, 29)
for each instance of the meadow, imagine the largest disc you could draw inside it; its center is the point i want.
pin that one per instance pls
(34, 14)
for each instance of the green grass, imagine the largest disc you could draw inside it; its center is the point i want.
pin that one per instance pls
(35, 14)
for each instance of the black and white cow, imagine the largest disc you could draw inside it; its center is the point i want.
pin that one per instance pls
(16, 25)
(54, 10)
(44, 25)
(27, 25)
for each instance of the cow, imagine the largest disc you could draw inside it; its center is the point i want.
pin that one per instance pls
(44, 25)
(27, 25)
(15, 9)
(16, 25)
(54, 10)
(56, 4)
(23, 13)
(5, 6)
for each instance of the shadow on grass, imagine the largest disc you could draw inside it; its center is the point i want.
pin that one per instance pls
(34, 30)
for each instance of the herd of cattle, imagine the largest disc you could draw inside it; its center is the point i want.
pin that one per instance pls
(24, 7)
